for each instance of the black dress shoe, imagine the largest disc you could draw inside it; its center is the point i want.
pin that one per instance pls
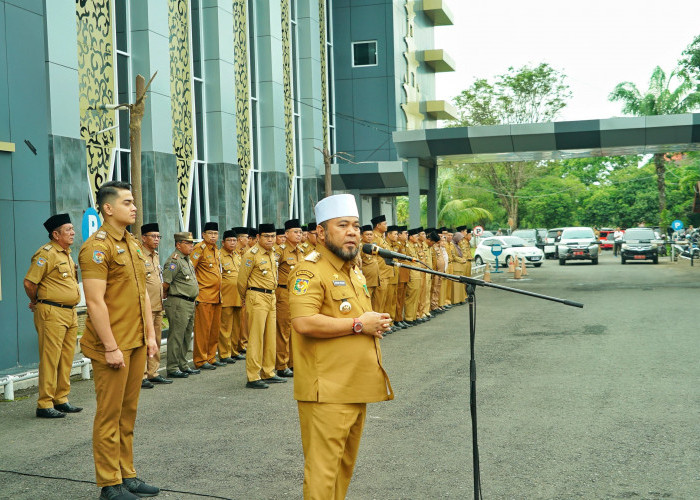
(145, 384)
(178, 374)
(67, 408)
(285, 373)
(207, 366)
(192, 371)
(256, 384)
(139, 488)
(228, 360)
(403, 324)
(219, 363)
(159, 379)
(243, 351)
(49, 413)
(238, 357)
(116, 492)
(275, 380)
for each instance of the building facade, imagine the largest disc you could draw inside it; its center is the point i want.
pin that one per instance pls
(245, 97)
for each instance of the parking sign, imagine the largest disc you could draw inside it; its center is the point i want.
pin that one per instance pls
(478, 230)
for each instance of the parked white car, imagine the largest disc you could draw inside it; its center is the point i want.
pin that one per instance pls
(511, 245)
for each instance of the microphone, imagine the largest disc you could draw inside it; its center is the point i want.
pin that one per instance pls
(370, 249)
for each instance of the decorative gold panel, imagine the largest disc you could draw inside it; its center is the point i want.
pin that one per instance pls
(181, 102)
(288, 105)
(96, 87)
(240, 67)
(414, 118)
(324, 62)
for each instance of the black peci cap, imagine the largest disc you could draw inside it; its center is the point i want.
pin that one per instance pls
(434, 237)
(292, 224)
(311, 226)
(240, 230)
(366, 227)
(229, 233)
(211, 226)
(266, 228)
(56, 221)
(150, 228)
(379, 218)
(279, 232)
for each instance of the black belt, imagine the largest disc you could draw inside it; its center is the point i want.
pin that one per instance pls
(183, 297)
(55, 304)
(281, 286)
(262, 290)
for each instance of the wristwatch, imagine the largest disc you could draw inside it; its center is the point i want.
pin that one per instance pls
(357, 326)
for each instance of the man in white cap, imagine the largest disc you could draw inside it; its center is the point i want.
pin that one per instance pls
(335, 343)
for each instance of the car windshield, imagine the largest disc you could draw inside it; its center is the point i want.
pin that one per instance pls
(639, 234)
(577, 232)
(524, 233)
(514, 241)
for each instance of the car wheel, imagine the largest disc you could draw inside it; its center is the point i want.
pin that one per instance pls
(656, 259)
(478, 261)
(623, 261)
(562, 262)
(594, 261)
(538, 265)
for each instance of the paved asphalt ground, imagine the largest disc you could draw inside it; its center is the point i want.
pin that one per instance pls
(600, 402)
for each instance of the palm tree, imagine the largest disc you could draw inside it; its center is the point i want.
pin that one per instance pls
(453, 211)
(659, 99)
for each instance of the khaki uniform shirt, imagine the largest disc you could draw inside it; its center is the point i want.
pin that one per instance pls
(230, 265)
(454, 256)
(385, 271)
(466, 248)
(370, 268)
(207, 265)
(345, 369)
(438, 259)
(178, 273)
(56, 275)
(428, 254)
(115, 256)
(258, 270)
(412, 251)
(403, 273)
(154, 279)
(288, 260)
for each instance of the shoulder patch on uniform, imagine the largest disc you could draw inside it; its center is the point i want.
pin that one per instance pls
(305, 272)
(98, 256)
(248, 262)
(301, 286)
(48, 247)
(41, 262)
(254, 250)
(100, 235)
(172, 266)
(313, 256)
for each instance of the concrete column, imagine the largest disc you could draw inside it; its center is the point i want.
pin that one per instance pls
(412, 170)
(432, 196)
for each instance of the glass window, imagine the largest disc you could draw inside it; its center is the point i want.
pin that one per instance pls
(364, 53)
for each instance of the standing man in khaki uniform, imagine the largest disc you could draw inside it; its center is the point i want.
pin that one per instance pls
(290, 256)
(51, 284)
(413, 285)
(338, 360)
(386, 272)
(280, 238)
(181, 289)
(207, 314)
(118, 336)
(311, 237)
(439, 264)
(230, 329)
(150, 239)
(257, 282)
(403, 277)
(243, 235)
(426, 279)
(370, 267)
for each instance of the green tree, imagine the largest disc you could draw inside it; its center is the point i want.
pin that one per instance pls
(665, 96)
(523, 95)
(552, 201)
(689, 64)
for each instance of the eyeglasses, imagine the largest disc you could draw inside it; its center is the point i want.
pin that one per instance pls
(154, 236)
(270, 235)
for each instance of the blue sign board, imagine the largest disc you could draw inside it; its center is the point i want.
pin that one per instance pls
(91, 221)
(497, 249)
(677, 225)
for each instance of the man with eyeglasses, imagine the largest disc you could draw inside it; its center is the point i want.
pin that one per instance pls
(206, 259)
(311, 237)
(257, 282)
(230, 329)
(150, 239)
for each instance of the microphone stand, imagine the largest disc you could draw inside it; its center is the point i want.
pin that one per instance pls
(471, 284)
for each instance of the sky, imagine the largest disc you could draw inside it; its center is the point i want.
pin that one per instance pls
(596, 44)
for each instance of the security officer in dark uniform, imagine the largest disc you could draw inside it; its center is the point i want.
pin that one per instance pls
(181, 288)
(52, 287)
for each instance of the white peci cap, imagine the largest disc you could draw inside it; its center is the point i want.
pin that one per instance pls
(338, 205)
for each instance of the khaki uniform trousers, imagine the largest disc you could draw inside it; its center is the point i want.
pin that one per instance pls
(260, 357)
(401, 288)
(424, 295)
(330, 438)
(243, 342)
(57, 329)
(284, 330)
(390, 304)
(229, 331)
(117, 393)
(380, 295)
(207, 321)
(449, 289)
(412, 294)
(459, 292)
(435, 289)
(152, 364)
(180, 314)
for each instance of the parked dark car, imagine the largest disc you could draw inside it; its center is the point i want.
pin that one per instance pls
(640, 243)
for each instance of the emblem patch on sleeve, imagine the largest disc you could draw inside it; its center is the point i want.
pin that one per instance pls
(172, 266)
(41, 262)
(98, 257)
(301, 286)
